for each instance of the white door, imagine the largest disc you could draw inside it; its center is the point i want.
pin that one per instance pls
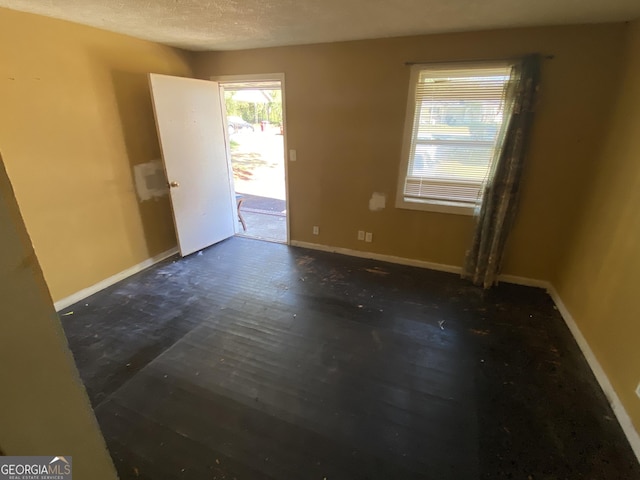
(191, 130)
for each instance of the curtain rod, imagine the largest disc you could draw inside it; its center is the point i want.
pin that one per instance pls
(545, 57)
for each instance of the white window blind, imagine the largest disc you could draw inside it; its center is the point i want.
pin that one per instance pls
(458, 112)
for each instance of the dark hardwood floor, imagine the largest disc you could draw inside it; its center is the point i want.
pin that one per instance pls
(255, 360)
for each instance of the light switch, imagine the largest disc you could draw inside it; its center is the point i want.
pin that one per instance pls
(292, 155)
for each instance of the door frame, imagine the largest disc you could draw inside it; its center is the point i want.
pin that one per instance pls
(257, 77)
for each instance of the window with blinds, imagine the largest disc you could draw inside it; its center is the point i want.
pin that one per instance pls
(455, 116)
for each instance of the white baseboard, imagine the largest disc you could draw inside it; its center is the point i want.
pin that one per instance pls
(524, 281)
(618, 409)
(379, 256)
(107, 282)
(441, 267)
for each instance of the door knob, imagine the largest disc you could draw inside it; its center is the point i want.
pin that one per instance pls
(174, 184)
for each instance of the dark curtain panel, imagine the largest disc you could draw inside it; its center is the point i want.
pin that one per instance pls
(499, 203)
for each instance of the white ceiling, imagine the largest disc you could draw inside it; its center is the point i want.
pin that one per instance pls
(241, 24)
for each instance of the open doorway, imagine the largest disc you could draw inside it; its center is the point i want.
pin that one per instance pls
(255, 132)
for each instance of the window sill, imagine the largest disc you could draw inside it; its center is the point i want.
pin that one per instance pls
(436, 206)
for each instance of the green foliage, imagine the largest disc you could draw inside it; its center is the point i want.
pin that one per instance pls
(254, 113)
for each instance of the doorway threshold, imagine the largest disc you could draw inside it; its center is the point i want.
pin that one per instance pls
(265, 218)
(268, 226)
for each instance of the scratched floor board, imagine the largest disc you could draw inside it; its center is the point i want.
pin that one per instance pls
(255, 360)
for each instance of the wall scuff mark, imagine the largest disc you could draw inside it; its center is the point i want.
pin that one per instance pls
(377, 201)
(151, 181)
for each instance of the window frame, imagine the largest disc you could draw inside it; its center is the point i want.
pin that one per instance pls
(432, 205)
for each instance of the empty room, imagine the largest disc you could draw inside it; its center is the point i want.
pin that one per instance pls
(452, 290)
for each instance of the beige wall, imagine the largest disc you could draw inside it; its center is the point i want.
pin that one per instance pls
(345, 112)
(44, 409)
(599, 280)
(75, 117)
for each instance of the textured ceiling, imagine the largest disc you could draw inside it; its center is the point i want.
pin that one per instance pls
(241, 24)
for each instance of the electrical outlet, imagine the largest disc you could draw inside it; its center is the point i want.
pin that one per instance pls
(293, 156)
(368, 237)
(638, 390)
(316, 230)
(360, 234)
